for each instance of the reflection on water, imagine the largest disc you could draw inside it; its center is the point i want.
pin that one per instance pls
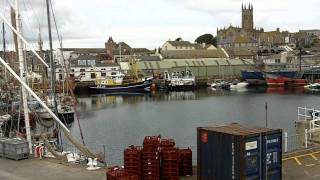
(118, 121)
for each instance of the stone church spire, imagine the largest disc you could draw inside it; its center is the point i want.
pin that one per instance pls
(247, 17)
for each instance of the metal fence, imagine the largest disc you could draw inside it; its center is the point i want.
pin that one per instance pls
(297, 142)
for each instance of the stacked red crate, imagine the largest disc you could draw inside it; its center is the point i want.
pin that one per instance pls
(185, 162)
(128, 177)
(167, 144)
(170, 164)
(114, 173)
(150, 163)
(133, 161)
(152, 142)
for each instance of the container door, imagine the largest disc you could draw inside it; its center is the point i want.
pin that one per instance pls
(218, 156)
(272, 154)
(253, 158)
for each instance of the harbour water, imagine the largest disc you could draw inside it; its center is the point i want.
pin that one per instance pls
(118, 121)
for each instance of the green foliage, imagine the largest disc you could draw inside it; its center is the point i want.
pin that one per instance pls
(179, 39)
(207, 38)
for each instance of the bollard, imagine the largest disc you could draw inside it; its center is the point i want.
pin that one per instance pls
(306, 138)
(285, 142)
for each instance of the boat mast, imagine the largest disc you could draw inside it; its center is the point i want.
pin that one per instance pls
(23, 77)
(52, 75)
(4, 49)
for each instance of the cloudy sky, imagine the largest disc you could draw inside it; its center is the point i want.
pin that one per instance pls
(149, 23)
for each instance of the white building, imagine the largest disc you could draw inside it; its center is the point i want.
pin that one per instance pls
(86, 68)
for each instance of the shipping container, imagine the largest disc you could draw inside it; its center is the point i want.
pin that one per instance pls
(239, 153)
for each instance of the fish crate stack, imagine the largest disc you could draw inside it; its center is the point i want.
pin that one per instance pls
(157, 159)
(185, 162)
(170, 164)
(133, 161)
(151, 158)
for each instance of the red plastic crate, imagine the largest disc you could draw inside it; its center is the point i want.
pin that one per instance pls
(152, 142)
(129, 177)
(167, 144)
(170, 154)
(114, 173)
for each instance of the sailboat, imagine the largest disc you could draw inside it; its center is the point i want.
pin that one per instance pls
(26, 89)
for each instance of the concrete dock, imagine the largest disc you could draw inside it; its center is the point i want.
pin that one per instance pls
(301, 165)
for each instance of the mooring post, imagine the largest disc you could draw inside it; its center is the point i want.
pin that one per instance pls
(285, 142)
(306, 138)
(104, 155)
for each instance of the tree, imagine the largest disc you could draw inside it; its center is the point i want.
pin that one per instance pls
(207, 38)
(179, 39)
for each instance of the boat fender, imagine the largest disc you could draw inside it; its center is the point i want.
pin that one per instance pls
(39, 151)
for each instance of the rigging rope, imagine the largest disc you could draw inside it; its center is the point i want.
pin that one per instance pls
(67, 73)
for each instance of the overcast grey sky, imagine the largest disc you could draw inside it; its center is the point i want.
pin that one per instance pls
(149, 23)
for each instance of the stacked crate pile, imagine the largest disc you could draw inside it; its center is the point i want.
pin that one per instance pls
(185, 162)
(170, 164)
(151, 158)
(133, 161)
(158, 159)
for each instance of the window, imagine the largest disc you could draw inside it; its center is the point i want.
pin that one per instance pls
(82, 70)
(60, 76)
(71, 75)
(93, 75)
(103, 74)
(72, 70)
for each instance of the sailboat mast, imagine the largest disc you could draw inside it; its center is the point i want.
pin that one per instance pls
(4, 49)
(4, 42)
(52, 78)
(24, 79)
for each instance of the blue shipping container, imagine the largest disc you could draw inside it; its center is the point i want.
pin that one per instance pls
(239, 153)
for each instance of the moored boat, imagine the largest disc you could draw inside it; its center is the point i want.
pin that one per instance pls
(184, 80)
(115, 83)
(313, 87)
(260, 77)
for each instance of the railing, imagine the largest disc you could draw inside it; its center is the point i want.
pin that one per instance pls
(298, 142)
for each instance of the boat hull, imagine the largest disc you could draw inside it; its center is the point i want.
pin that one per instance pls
(66, 117)
(137, 87)
(258, 77)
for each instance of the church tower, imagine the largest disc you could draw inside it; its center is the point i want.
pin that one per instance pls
(247, 17)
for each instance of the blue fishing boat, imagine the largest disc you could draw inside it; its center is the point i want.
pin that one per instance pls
(259, 77)
(115, 83)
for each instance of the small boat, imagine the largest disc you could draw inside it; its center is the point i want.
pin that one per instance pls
(184, 80)
(238, 85)
(115, 83)
(313, 87)
(220, 84)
